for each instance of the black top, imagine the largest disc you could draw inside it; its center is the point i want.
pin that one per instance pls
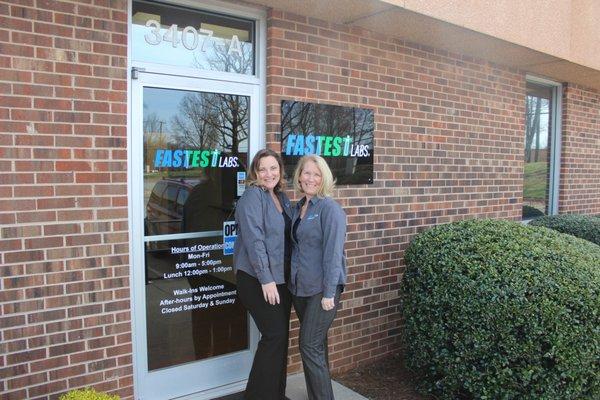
(295, 231)
(288, 246)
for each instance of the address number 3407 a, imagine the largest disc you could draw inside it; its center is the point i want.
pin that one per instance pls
(189, 37)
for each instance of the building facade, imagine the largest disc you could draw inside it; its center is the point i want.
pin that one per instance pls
(126, 126)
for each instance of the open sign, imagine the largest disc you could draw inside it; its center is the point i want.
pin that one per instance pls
(229, 235)
(230, 228)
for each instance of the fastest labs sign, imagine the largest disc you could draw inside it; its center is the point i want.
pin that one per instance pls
(343, 136)
(325, 146)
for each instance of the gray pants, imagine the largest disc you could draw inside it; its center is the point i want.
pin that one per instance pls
(314, 324)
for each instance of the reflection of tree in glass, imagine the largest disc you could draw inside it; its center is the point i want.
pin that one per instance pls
(535, 107)
(154, 137)
(321, 119)
(221, 58)
(297, 118)
(211, 120)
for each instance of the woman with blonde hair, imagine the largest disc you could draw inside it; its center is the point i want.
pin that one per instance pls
(318, 268)
(261, 258)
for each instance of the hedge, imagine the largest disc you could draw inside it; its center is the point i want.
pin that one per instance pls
(87, 394)
(583, 226)
(502, 310)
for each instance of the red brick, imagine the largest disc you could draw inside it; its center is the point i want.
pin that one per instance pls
(36, 216)
(15, 395)
(34, 191)
(48, 387)
(52, 104)
(54, 177)
(92, 177)
(94, 83)
(57, 202)
(15, 76)
(49, 364)
(74, 93)
(11, 295)
(72, 117)
(52, 79)
(72, 215)
(14, 101)
(26, 356)
(10, 245)
(61, 229)
(31, 39)
(37, 140)
(57, 6)
(67, 372)
(43, 243)
(53, 30)
(92, 130)
(24, 166)
(64, 253)
(29, 115)
(96, 106)
(74, 190)
(16, 178)
(51, 153)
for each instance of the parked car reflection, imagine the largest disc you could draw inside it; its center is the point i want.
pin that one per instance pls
(178, 205)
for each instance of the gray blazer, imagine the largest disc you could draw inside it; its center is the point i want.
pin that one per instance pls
(259, 249)
(318, 259)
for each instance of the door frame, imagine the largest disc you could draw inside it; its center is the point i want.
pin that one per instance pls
(169, 382)
(257, 141)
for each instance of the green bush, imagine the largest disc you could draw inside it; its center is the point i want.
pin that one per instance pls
(531, 212)
(87, 394)
(583, 226)
(502, 310)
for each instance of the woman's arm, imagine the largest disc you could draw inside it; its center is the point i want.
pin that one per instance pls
(333, 224)
(249, 216)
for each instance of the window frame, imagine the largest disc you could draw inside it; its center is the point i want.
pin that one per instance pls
(555, 139)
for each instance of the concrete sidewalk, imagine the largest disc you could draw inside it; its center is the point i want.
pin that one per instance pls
(296, 390)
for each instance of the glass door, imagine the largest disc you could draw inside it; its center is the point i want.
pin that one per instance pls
(189, 153)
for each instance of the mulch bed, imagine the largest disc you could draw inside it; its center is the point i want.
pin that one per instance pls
(386, 379)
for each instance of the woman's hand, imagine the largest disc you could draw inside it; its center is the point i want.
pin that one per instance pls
(327, 303)
(270, 293)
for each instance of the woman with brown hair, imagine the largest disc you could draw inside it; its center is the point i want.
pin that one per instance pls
(262, 260)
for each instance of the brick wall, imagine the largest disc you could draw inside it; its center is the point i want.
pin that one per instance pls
(580, 156)
(448, 145)
(64, 285)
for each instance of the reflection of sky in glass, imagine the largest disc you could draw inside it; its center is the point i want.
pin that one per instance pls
(165, 53)
(543, 131)
(164, 105)
(544, 123)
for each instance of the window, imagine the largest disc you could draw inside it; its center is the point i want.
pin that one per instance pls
(174, 35)
(542, 142)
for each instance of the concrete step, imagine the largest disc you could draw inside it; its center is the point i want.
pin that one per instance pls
(296, 390)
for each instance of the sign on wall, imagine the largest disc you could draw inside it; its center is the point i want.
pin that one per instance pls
(343, 136)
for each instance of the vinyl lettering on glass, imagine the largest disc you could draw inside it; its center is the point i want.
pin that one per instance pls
(192, 309)
(343, 136)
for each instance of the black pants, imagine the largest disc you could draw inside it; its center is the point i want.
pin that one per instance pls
(314, 324)
(269, 370)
